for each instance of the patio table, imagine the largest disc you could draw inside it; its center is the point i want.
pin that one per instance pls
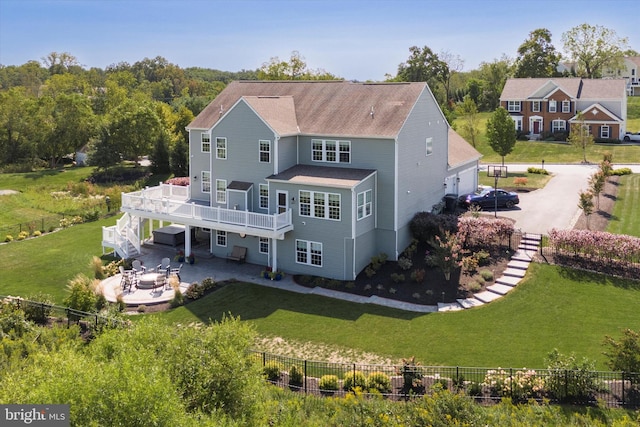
(151, 280)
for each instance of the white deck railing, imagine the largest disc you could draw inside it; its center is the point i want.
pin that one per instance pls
(173, 202)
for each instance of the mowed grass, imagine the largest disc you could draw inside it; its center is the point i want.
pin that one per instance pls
(552, 308)
(534, 180)
(556, 152)
(47, 263)
(625, 218)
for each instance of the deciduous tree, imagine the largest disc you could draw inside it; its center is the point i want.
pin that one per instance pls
(594, 47)
(580, 136)
(501, 132)
(537, 57)
(468, 113)
(585, 203)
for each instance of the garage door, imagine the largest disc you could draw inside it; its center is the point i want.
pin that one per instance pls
(468, 181)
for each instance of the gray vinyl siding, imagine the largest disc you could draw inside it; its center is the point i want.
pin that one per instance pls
(330, 233)
(287, 153)
(243, 129)
(420, 177)
(366, 247)
(250, 242)
(198, 163)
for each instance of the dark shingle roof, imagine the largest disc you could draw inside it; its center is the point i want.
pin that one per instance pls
(320, 107)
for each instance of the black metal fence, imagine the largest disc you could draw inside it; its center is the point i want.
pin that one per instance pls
(43, 224)
(43, 311)
(484, 385)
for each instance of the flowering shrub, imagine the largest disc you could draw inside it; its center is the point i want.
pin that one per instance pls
(68, 222)
(521, 385)
(518, 181)
(483, 231)
(599, 245)
(179, 180)
(447, 252)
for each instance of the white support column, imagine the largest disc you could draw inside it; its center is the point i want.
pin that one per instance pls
(187, 240)
(274, 254)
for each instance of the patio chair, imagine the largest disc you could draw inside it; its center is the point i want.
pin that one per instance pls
(128, 279)
(164, 267)
(138, 267)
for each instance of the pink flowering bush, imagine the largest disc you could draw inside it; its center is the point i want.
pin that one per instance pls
(483, 231)
(598, 245)
(179, 180)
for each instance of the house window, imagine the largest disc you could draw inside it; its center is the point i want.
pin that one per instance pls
(429, 146)
(535, 106)
(604, 131)
(364, 204)
(206, 142)
(309, 253)
(206, 181)
(221, 190)
(221, 238)
(264, 196)
(517, 120)
(566, 106)
(552, 106)
(513, 106)
(558, 126)
(221, 148)
(265, 151)
(316, 204)
(331, 151)
(263, 245)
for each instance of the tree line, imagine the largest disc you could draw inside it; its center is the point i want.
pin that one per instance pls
(56, 107)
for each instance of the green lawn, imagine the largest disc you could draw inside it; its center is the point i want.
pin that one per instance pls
(534, 180)
(625, 218)
(553, 308)
(552, 152)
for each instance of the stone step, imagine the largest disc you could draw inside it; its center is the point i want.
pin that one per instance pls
(470, 302)
(449, 306)
(529, 246)
(508, 280)
(487, 296)
(523, 265)
(500, 289)
(521, 255)
(515, 272)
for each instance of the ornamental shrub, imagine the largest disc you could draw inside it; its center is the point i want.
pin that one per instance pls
(571, 380)
(622, 171)
(8, 238)
(405, 263)
(397, 278)
(194, 291)
(487, 275)
(380, 382)
(272, 371)
(418, 275)
(328, 383)
(354, 379)
(425, 226)
(38, 308)
(296, 376)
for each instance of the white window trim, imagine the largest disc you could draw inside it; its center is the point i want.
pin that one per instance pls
(568, 105)
(564, 126)
(260, 151)
(535, 106)
(261, 197)
(429, 146)
(224, 149)
(364, 210)
(205, 178)
(309, 253)
(602, 131)
(221, 195)
(514, 106)
(220, 234)
(337, 152)
(203, 143)
(517, 121)
(312, 205)
(261, 242)
(555, 106)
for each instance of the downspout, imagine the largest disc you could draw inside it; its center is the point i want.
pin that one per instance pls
(395, 197)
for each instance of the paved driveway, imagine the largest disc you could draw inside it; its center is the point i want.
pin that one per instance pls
(555, 205)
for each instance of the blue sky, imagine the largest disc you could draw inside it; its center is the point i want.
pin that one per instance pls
(353, 39)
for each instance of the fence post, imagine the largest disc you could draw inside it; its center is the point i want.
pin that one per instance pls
(264, 359)
(566, 385)
(511, 383)
(623, 403)
(305, 376)
(354, 375)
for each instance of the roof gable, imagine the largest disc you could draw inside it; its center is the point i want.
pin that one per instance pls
(460, 151)
(573, 87)
(278, 112)
(598, 113)
(331, 108)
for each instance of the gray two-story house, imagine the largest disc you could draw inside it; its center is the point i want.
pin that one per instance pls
(311, 177)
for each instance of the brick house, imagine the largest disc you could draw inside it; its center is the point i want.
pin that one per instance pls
(545, 106)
